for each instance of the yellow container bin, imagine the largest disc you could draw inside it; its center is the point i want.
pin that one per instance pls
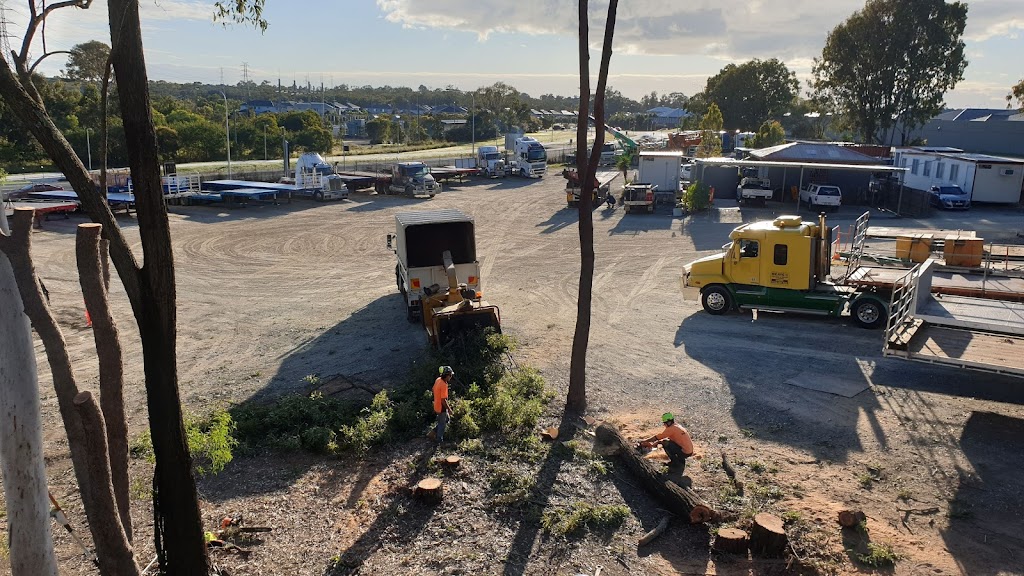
(966, 252)
(916, 247)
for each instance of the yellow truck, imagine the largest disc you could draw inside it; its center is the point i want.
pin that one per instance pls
(785, 265)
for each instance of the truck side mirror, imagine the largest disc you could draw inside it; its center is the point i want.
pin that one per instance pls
(391, 238)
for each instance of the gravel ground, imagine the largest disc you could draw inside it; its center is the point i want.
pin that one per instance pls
(270, 294)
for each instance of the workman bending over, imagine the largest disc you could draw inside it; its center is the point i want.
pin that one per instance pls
(675, 440)
(441, 407)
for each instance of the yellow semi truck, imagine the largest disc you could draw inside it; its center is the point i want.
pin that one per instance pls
(785, 265)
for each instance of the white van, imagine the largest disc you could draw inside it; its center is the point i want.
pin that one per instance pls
(821, 197)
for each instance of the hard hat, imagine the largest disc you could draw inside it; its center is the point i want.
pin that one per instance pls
(667, 416)
(445, 370)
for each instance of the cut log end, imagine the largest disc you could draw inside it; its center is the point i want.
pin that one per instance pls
(550, 433)
(768, 535)
(701, 514)
(83, 397)
(430, 490)
(851, 518)
(731, 541)
(452, 461)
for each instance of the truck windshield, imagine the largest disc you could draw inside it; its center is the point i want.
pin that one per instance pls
(828, 191)
(537, 154)
(426, 243)
(415, 171)
(951, 190)
(492, 156)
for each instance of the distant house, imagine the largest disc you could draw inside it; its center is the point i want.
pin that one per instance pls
(449, 125)
(986, 178)
(981, 130)
(379, 108)
(258, 107)
(665, 117)
(448, 109)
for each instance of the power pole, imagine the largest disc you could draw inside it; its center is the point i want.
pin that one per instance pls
(245, 80)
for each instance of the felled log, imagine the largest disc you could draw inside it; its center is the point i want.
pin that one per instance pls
(851, 518)
(429, 490)
(731, 473)
(680, 501)
(767, 535)
(653, 534)
(731, 541)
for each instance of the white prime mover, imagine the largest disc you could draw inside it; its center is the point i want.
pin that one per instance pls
(529, 158)
(316, 178)
(489, 162)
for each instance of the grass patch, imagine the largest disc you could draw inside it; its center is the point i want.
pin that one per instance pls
(211, 441)
(140, 490)
(757, 466)
(904, 494)
(868, 478)
(574, 450)
(582, 515)
(728, 495)
(791, 517)
(879, 555)
(766, 491)
(509, 487)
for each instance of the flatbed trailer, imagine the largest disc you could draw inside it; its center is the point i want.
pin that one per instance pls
(446, 173)
(963, 332)
(264, 191)
(114, 199)
(43, 208)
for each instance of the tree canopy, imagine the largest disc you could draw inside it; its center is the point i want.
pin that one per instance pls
(770, 133)
(87, 61)
(889, 65)
(1017, 92)
(750, 93)
(710, 126)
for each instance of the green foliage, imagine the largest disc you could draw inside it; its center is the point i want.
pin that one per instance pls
(509, 487)
(580, 515)
(710, 125)
(372, 427)
(211, 441)
(879, 555)
(623, 163)
(791, 516)
(319, 440)
(280, 424)
(697, 197)
(379, 130)
(87, 61)
(141, 447)
(891, 63)
(750, 93)
(1017, 92)
(771, 133)
(140, 490)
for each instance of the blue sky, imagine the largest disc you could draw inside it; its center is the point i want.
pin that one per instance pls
(662, 45)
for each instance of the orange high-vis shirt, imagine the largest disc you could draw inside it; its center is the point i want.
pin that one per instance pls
(679, 435)
(440, 394)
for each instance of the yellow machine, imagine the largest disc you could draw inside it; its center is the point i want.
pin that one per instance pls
(457, 309)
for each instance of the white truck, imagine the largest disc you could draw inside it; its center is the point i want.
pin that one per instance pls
(529, 158)
(821, 197)
(315, 177)
(754, 185)
(489, 162)
(661, 168)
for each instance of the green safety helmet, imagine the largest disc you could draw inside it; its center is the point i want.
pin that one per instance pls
(667, 417)
(443, 370)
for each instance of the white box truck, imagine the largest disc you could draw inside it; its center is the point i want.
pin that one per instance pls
(662, 169)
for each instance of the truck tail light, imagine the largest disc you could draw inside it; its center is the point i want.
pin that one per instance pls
(650, 196)
(415, 283)
(472, 280)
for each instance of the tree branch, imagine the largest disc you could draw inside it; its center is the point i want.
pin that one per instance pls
(36, 19)
(32, 68)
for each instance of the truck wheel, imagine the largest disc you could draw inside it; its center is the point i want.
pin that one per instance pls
(409, 191)
(716, 300)
(318, 196)
(868, 313)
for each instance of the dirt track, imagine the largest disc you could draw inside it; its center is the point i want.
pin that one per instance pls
(270, 294)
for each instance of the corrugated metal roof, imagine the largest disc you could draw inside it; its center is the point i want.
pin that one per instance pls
(775, 164)
(431, 217)
(812, 152)
(676, 153)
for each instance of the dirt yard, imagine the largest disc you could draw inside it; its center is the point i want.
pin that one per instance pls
(271, 294)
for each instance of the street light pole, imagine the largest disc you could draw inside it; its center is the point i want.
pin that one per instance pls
(88, 147)
(474, 124)
(264, 142)
(227, 131)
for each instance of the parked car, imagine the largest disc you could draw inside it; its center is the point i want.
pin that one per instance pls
(27, 189)
(951, 197)
(821, 197)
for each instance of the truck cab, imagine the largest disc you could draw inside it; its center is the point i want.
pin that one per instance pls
(489, 162)
(531, 157)
(314, 175)
(413, 179)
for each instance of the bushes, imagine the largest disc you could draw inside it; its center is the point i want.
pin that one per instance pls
(568, 521)
(697, 197)
(372, 427)
(211, 441)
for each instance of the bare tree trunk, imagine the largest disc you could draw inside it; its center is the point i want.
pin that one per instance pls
(108, 352)
(586, 168)
(178, 530)
(21, 436)
(106, 529)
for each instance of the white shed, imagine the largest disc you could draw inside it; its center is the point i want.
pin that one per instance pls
(661, 168)
(986, 178)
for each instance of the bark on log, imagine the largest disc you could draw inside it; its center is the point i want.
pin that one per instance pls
(680, 501)
(21, 437)
(430, 490)
(767, 535)
(731, 473)
(119, 558)
(111, 366)
(653, 534)
(851, 518)
(731, 541)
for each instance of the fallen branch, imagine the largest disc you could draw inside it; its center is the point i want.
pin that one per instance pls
(653, 534)
(922, 511)
(731, 473)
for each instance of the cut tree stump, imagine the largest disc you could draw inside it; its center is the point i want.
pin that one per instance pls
(767, 535)
(451, 461)
(550, 433)
(429, 490)
(731, 541)
(678, 500)
(851, 518)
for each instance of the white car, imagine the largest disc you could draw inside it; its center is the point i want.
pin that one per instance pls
(821, 197)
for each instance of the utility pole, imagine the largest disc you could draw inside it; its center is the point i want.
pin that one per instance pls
(227, 131)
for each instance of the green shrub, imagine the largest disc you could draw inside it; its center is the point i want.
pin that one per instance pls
(279, 424)
(141, 447)
(567, 521)
(878, 556)
(697, 197)
(319, 440)
(211, 441)
(462, 424)
(372, 427)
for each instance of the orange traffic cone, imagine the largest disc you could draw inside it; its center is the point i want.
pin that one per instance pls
(88, 319)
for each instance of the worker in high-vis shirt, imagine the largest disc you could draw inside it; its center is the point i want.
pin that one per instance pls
(441, 407)
(675, 440)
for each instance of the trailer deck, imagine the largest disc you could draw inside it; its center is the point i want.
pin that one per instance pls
(949, 283)
(973, 313)
(43, 208)
(446, 173)
(114, 199)
(997, 353)
(221, 185)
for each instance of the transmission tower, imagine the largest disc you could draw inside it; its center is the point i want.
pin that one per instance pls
(5, 42)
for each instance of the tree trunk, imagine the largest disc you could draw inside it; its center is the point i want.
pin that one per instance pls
(430, 490)
(178, 530)
(111, 366)
(731, 541)
(21, 437)
(678, 500)
(586, 168)
(767, 535)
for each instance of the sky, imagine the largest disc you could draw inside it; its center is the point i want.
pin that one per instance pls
(660, 45)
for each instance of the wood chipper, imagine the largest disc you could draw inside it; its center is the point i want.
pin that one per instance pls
(435, 248)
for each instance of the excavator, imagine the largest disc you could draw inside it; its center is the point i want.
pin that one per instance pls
(434, 249)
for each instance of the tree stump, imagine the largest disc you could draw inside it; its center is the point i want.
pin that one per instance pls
(451, 461)
(429, 490)
(767, 535)
(550, 433)
(677, 499)
(851, 518)
(731, 541)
